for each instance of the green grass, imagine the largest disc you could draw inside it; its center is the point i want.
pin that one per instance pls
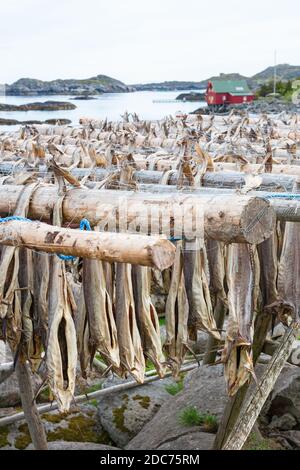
(93, 402)
(175, 388)
(94, 388)
(258, 442)
(149, 365)
(190, 416)
(162, 321)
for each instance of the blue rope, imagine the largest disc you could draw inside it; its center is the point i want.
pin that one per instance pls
(84, 225)
(283, 196)
(13, 217)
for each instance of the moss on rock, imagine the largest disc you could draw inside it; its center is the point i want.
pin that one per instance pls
(119, 417)
(22, 440)
(144, 401)
(4, 431)
(80, 428)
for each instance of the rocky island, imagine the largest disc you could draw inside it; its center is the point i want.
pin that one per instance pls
(90, 86)
(46, 106)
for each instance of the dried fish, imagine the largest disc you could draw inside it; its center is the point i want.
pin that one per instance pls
(61, 356)
(131, 353)
(197, 289)
(237, 354)
(101, 322)
(177, 311)
(147, 318)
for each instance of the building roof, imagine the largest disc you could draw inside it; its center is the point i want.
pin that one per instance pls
(234, 87)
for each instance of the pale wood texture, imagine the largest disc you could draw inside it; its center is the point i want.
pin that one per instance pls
(252, 408)
(36, 429)
(234, 218)
(145, 250)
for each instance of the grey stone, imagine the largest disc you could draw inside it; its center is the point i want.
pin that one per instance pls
(285, 396)
(124, 414)
(289, 439)
(285, 422)
(192, 440)
(204, 388)
(63, 445)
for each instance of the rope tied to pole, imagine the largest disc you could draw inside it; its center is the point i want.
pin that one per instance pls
(84, 225)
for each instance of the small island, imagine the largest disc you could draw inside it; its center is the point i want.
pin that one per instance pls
(46, 106)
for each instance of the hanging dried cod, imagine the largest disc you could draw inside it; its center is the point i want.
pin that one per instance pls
(289, 273)
(280, 307)
(100, 318)
(30, 345)
(61, 356)
(242, 296)
(10, 295)
(147, 318)
(40, 294)
(197, 288)
(131, 352)
(177, 310)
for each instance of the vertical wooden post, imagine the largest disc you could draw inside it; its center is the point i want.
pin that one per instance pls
(36, 429)
(234, 404)
(252, 408)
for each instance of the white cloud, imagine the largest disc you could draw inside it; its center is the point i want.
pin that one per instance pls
(141, 40)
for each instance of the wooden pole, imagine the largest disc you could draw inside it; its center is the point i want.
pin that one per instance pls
(152, 251)
(222, 179)
(252, 408)
(36, 429)
(234, 218)
(234, 404)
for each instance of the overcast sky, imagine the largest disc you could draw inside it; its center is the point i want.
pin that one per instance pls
(140, 41)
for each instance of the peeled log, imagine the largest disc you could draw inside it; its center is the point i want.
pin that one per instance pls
(152, 251)
(218, 179)
(230, 218)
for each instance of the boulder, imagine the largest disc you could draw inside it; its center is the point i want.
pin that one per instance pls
(204, 389)
(62, 445)
(124, 414)
(191, 440)
(80, 425)
(284, 399)
(284, 422)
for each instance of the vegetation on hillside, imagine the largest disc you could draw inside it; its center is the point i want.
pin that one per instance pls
(283, 88)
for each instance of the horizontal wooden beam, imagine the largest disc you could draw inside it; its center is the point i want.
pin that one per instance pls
(152, 251)
(234, 218)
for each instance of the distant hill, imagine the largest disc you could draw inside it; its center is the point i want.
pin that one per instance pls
(284, 72)
(90, 86)
(104, 84)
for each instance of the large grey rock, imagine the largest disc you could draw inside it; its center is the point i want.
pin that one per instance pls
(204, 388)
(124, 414)
(288, 439)
(9, 392)
(284, 422)
(80, 425)
(191, 440)
(285, 396)
(62, 445)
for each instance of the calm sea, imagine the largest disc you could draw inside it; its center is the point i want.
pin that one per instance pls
(147, 104)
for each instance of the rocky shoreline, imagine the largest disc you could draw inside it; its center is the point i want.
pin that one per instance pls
(46, 106)
(269, 106)
(190, 97)
(15, 122)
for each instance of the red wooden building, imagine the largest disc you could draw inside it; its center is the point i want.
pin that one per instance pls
(225, 92)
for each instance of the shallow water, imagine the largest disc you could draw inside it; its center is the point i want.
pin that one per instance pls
(110, 105)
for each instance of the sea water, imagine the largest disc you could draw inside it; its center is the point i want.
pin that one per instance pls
(147, 104)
